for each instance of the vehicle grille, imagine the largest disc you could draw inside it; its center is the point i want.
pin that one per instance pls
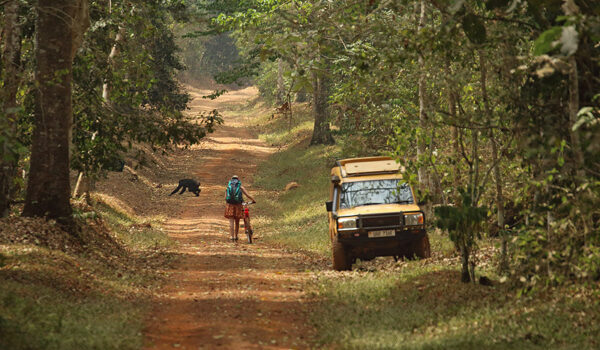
(381, 222)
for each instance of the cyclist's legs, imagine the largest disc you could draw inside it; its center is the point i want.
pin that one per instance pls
(237, 226)
(231, 225)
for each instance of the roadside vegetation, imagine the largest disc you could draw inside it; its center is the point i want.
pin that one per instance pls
(88, 292)
(298, 219)
(410, 304)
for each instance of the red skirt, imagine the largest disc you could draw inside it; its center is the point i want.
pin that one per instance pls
(234, 211)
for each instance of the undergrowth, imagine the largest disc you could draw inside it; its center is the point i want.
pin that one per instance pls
(94, 296)
(421, 305)
(135, 233)
(410, 304)
(294, 217)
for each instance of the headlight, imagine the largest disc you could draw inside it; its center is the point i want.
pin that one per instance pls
(413, 219)
(347, 223)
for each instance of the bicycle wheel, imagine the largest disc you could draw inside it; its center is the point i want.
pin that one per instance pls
(248, 229)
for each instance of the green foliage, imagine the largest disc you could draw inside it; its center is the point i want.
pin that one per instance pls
(267, 82)
(95, 296)
(55, 321)
(374, 56)
(419, 306)
(145, 102)
(409, 304)
(241, 70)
(464, 223)
(299, 219)
(474, 28)
(210, 55)
(133, 232)
(544, 43)
(127, 98)
(460, 219)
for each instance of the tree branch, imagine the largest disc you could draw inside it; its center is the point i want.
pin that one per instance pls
(462, 148)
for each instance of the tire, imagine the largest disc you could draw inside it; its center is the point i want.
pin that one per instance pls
(421, 248)
(341, 261)
(248, 230)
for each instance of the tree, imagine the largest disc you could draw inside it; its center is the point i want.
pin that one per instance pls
(321, 131)
(60, 29)
(11, 77)
(125, 87)
(296, 32)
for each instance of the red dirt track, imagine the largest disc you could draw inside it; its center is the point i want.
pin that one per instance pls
(221, 294)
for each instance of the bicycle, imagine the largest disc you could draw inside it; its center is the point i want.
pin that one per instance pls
(247, 225)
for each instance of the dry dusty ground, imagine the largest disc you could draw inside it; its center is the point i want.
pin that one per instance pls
(221, 294)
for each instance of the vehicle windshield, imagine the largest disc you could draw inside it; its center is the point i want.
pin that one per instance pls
(375, 192)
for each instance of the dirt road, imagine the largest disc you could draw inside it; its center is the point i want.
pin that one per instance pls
(221, 294)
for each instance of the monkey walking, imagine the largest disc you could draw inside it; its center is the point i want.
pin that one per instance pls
(189, 184)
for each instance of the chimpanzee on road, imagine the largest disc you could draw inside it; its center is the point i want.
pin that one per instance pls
(189, 184)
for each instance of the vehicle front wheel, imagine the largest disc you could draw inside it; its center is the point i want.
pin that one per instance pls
(341, 260)
(422, 248)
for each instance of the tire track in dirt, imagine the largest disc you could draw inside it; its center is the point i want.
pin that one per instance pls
(221, 294)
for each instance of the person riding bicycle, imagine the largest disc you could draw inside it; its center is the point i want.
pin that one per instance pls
(234, 210)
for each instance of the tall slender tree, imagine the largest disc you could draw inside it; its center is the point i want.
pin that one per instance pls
(60, 27)
(11, 57)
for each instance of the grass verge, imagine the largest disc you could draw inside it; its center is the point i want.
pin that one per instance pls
(68, 296)
(422, 305)
(295, 217)
(409, 304)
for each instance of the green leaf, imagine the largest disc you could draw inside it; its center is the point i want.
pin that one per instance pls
(544, 43)
(586, 116)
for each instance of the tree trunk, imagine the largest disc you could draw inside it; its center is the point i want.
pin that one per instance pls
(60, 27)
(321, 132)
(11, 57)
(573, 110)
(280, 96)
(84, 182)
(495, 164)
(499, 204)
(456, 156)
(421, 144)
(114, 51)
(465, 275)
(475, 170)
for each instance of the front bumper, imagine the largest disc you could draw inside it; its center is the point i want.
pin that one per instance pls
(361, 237)
(360, 245)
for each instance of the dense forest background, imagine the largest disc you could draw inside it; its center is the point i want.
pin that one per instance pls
(492, 106)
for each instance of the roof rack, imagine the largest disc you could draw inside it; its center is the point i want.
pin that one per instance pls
(368, 165)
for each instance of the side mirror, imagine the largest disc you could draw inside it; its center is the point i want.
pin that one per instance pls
(335, 180)
(329, 206)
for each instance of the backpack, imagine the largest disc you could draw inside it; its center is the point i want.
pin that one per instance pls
(233, 193)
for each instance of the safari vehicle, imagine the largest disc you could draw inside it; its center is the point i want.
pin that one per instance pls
(372, 212)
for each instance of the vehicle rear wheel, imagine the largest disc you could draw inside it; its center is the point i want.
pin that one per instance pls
(422, 248)
(341, 261)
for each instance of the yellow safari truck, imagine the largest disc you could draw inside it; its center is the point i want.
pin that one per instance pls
(373, 212)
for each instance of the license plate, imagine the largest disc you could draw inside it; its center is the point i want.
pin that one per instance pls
(382, 233)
